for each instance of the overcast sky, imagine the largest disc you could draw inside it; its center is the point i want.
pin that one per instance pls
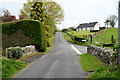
(76, 11)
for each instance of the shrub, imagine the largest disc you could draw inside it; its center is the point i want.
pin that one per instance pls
(3, 53)
(102, 28)
(64, 30)
(49, 31)
(94, 30)
(14, 52)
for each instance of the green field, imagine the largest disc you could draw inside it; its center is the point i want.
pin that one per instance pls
(80, 34)
(106, 37)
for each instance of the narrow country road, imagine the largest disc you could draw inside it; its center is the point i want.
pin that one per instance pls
(61, 62)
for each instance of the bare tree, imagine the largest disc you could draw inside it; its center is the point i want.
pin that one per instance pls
(107, 22)
(6, 12)
(112, 20)
(7, 16)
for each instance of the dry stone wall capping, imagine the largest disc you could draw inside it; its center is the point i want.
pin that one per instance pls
(29, 49)
(106, 56)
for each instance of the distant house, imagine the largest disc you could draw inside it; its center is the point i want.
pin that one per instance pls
(89, 26)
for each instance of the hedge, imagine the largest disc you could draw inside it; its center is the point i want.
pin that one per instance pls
(9, 28)
(32, 28)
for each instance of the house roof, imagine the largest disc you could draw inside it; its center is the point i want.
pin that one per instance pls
(85, 25)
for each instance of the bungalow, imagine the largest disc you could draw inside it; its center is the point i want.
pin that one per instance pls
(89, 26)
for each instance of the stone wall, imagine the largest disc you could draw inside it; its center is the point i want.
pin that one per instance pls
(95, 34)
(26, 50)
(107, 56)
(29, 49)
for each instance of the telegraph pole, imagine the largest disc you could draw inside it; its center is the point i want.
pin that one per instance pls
(119, 32)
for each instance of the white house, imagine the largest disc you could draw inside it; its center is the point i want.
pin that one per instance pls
(89, 26)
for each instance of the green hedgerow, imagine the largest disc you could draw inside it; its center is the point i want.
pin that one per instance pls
(33, 28)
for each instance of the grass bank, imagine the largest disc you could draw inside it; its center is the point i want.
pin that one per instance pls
(80, 34)
(10, 67)
(68, 38)
(106, 37)
(101, 71)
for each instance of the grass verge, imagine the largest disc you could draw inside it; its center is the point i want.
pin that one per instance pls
(10, 67)
(90, 63)
(105, 74)
(101, 72)
(28, 55)
(73, 41)
(68, 38)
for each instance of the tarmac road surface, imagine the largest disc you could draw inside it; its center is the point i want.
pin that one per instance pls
(61, 62)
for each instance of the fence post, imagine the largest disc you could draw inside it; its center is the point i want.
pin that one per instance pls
(90, 38)
(112, 40)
